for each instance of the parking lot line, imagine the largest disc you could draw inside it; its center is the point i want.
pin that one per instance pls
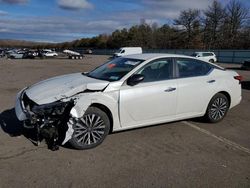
(222, 139)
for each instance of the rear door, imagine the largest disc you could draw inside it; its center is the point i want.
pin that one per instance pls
(207, 56)
(195, 86)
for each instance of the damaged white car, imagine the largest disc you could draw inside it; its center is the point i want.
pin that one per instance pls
(124, 93)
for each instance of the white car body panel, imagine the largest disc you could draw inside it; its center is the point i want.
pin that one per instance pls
(140, 105)
(195, 90)
(231, 86)
(19, 110)
(160, 104)
(56, 88)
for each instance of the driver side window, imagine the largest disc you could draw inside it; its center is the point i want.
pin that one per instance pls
(157, 70)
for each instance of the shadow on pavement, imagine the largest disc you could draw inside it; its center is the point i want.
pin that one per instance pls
(245, 85)
(10, 124)
(13, 127)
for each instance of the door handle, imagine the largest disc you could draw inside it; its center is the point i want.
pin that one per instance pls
(211, 81)
(170, 89)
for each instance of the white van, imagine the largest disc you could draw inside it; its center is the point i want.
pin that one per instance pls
(128, 51)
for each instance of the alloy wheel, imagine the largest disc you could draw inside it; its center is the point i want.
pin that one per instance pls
(89, 129)
(218, 108)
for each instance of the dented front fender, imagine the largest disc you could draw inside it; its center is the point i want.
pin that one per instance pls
(85, 100)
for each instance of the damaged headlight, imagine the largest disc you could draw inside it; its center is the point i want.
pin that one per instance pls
(55, 108)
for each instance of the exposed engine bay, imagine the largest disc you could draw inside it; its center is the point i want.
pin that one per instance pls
(49, 121)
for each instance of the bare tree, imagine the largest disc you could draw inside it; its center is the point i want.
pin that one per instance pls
(214, 18)
(236, 16)
(187, 19)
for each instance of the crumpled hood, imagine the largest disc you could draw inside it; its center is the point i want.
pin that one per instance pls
(59, 87)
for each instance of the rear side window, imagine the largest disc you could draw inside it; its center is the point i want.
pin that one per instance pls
(191, 68)
(194, 54)
(207, 54)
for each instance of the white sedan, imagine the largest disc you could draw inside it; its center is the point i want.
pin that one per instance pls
(50, 54)
(125, 93)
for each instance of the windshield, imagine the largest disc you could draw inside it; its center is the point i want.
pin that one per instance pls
(115, 69)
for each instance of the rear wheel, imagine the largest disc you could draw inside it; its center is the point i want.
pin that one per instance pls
(91, 129)
(211, 61)
(217, 108)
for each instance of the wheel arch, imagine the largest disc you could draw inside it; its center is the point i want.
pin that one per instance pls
(207, 117)
(222, 92)
(211, 60)
(227, 95)
(107, 111)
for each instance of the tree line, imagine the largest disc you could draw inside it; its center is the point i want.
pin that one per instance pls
(217, 27)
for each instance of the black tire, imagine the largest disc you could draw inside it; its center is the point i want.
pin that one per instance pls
(211, 60)
(87, 137)
(217, 108)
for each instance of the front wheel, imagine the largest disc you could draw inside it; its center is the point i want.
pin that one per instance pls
(217, 108)
(91, 129)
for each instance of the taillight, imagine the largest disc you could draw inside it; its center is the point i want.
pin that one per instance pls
(240, 78)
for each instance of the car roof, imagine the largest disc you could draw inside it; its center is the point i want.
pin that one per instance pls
(148, 56)
(204, 52)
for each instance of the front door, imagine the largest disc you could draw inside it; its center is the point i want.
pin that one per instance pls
(151, 101)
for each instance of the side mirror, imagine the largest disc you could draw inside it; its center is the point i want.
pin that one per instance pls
(135, 79)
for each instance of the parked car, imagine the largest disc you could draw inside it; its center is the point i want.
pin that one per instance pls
(205, 56)
(16, 55)
(50, 54)
(246, 64)
(88, 51)
(30, 55)
(125, 93)
(2, 53)
(9, 51)
(128, 51)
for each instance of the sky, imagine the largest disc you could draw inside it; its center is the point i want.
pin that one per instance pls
(67, 20)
